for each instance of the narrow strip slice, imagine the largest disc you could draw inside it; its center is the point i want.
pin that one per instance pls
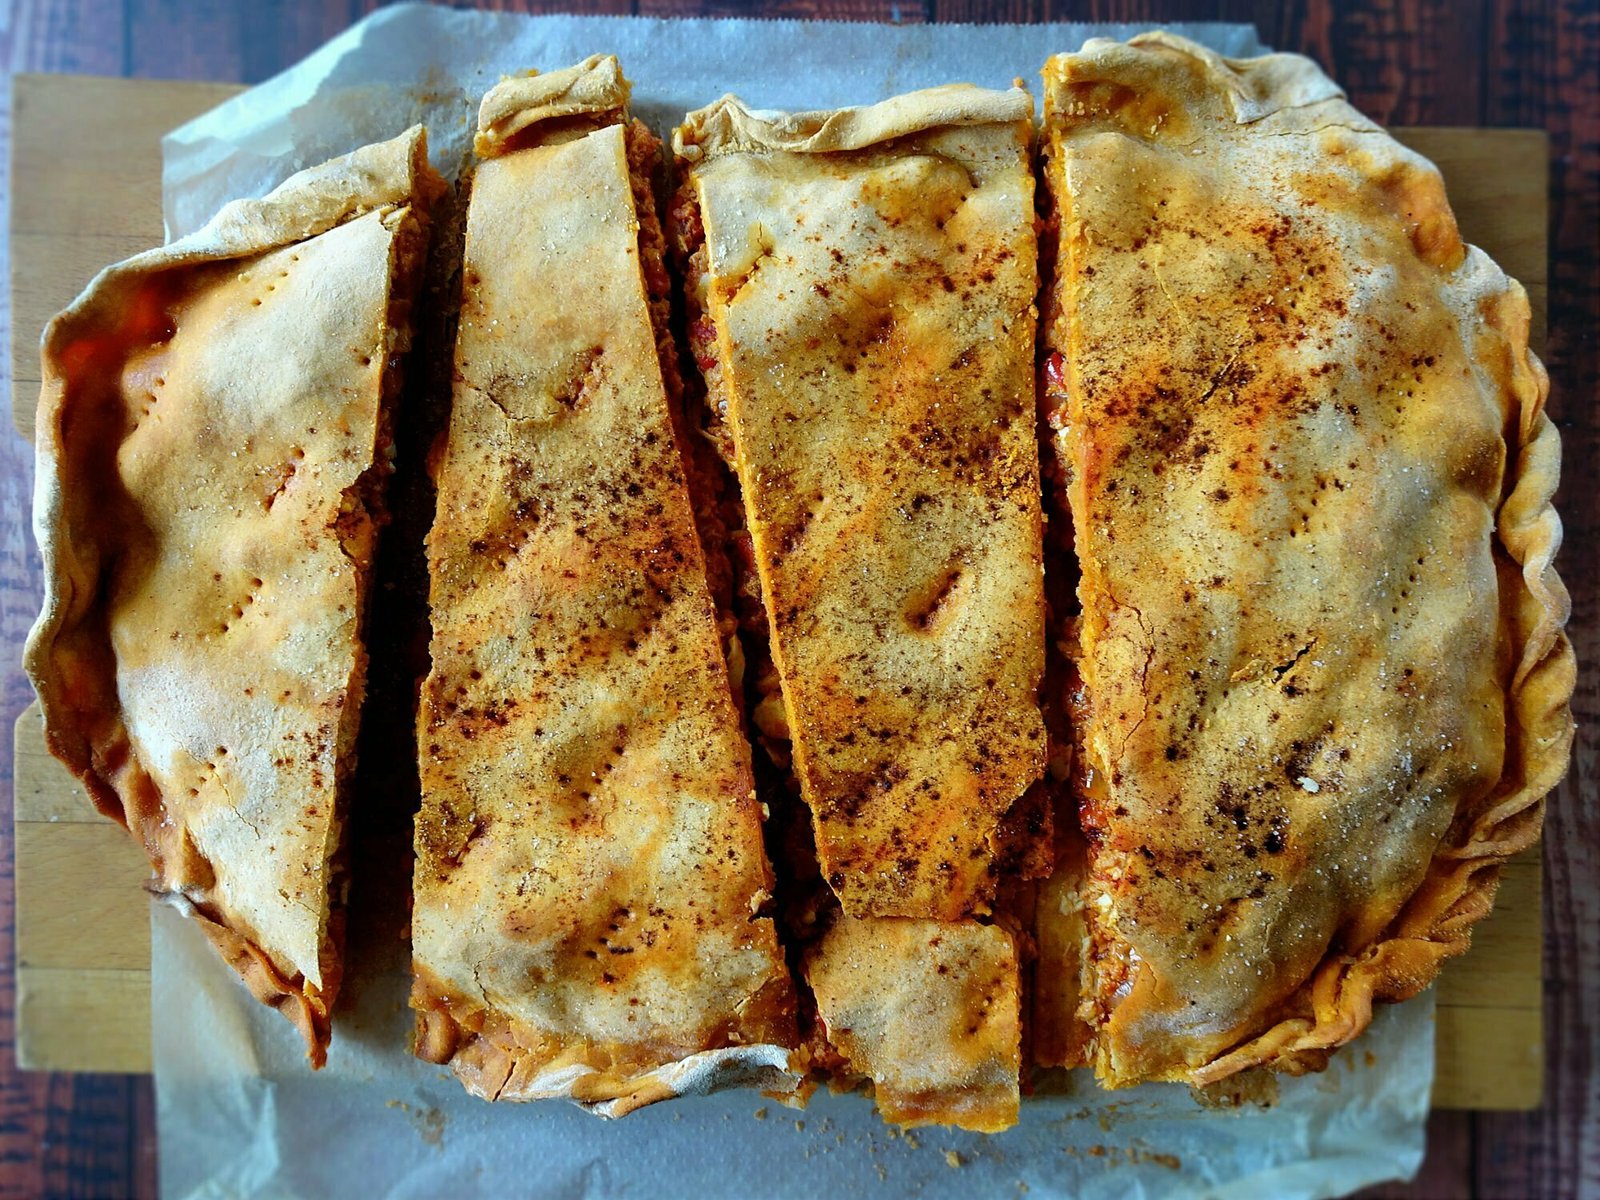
(213, 437)
(929, 1011)
(862, 286)
(1310, 476)
(590, 875)
(868, 278)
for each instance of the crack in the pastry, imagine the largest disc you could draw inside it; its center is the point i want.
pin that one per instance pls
(488, 395)
(234, 808)
(1283, 668)
(732, 289)
(1155, 266)
(1345, 125)
(1144, 675)
(1217, 379)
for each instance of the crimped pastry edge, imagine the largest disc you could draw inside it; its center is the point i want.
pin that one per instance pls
(593, 87)
(1459, 890)
(729, 126)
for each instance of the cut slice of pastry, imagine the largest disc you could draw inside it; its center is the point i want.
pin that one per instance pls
(865, 281)
(590, 880)
(1325, 682)
(213, 440)
(929, 1011)
(861, 285)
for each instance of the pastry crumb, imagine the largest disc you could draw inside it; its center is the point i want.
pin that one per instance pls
(953, 1158)
(761, 1113)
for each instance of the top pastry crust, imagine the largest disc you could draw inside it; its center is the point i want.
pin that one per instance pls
(1310, 482)
(929, 1011)
(211, 435)
(590, 869)
(870, 276)
(593, 88)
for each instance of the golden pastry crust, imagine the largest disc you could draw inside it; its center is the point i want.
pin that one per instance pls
(1310, 480)
(211, 441)
(870, 277)
(927, 1010)
(593, 88)
(590, 874)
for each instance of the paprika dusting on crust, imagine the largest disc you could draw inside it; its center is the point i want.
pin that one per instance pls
(860, 287)
(213, 442)
(590, 885)
(1324, 681)
(866, 323)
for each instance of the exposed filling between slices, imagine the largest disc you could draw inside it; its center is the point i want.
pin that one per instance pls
(363, 514)
(1091, 878)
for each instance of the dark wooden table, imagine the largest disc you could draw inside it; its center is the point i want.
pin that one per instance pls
(1405, 62)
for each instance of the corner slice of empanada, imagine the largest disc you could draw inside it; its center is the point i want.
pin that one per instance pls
(214, 436)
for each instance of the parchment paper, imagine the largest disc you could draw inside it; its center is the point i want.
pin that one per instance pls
(239, 1112)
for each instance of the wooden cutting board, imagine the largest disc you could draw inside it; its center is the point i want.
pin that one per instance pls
(83, 936)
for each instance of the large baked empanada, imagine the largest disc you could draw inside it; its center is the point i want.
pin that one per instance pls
(213, 439)
(1324, 685)
(590, 877)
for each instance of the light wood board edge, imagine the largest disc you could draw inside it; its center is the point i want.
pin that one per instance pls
(86, 192)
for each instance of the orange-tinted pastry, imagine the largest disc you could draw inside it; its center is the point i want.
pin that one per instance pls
(590, 877)
(1325, 683)
(213, 439)
(862, 286)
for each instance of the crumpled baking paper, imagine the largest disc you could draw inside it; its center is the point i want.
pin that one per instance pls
(241, 1115)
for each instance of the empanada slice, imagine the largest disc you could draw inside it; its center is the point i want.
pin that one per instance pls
(1324, 680)
(864, 282)
(213, 442)
(590, 883)
(861, 285)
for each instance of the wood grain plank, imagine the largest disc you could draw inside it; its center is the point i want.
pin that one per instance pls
(81, 901)
(114, 128)
(1497, 1072)
(99, 1019)
(64, 224)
